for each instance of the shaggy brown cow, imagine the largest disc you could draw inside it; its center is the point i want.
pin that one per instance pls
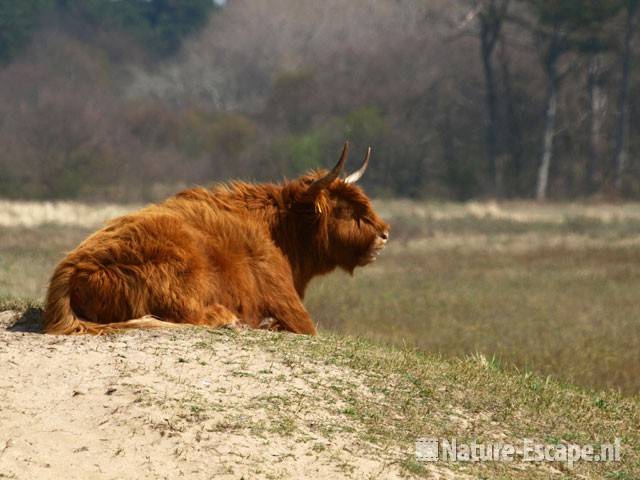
(238, 254)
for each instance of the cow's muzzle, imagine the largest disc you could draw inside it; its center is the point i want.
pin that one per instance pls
(376, 247)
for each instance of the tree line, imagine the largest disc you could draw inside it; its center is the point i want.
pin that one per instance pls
(463, 99)
(587, 29)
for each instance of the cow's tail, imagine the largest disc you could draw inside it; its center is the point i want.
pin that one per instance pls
(60, 319)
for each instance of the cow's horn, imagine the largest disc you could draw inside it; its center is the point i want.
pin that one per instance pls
(333, 174)
(357, 175)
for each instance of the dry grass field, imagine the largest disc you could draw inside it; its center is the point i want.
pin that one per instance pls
(551, 289)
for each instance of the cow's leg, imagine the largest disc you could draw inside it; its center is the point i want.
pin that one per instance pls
(268, 323)
(218, 315)
(286, 311)
(214, 316)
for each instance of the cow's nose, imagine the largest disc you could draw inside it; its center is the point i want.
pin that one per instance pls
(384, 235)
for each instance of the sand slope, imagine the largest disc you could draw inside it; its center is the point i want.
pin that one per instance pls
(173, 404)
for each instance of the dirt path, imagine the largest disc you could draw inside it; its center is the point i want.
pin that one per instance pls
(159, 404)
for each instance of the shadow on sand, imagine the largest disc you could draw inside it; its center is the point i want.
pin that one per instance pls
(28, 321)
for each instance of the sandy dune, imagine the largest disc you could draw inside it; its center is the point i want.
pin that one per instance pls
(172, 404)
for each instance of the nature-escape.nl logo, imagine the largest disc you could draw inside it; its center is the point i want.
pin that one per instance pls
(450, 450)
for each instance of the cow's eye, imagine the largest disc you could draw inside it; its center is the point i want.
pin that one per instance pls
(343, 212)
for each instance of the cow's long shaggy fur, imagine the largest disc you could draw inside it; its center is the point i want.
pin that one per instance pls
(235, 254)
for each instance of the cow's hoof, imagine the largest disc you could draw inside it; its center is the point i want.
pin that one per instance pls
(236, 324)
(268, 323)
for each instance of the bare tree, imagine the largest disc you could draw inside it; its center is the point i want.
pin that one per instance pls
(513, 128)
(488, 16)
(556, 47)
(595, 45)
(622, 127)
(597, 102)
(491, 16)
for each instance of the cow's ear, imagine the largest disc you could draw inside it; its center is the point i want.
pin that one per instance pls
(321, 204)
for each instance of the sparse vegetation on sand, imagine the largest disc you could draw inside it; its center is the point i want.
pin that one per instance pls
(226, 404)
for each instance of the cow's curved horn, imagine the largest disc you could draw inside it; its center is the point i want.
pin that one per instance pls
(357, 175)
(333, 174)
